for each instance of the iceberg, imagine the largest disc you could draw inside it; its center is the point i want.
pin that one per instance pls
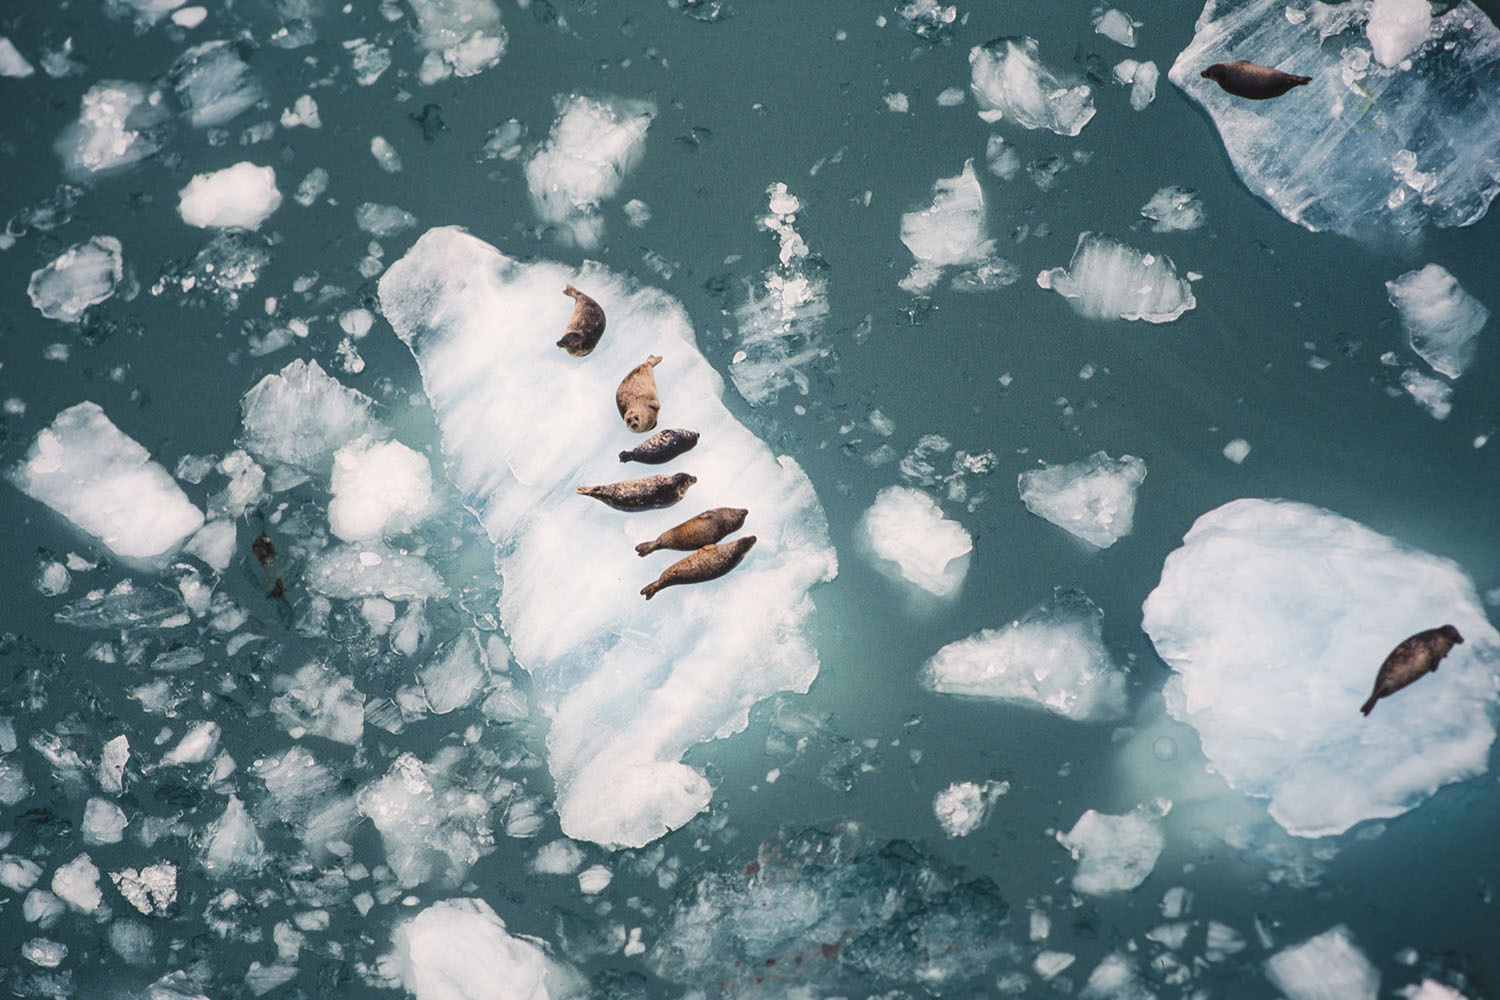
(1114, 853)
(1009, 81)
(119, 124)
(1441, 320)
(906, 531)
(242, 196)
(1367, 149)
(84, 275)
(592, 146)
(1108, 280)
(1327, 967)
(629, 686)
(1274, 617)
(1092, 498)
(459, 949)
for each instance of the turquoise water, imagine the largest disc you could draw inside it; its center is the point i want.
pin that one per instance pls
(1283, 350)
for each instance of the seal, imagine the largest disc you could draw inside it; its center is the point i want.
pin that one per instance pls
(663, 446)
(1248, 79)
(647, 493)
(1413, 659)
(585, 327)
(636, 397)
(708, 563)
(696, 532)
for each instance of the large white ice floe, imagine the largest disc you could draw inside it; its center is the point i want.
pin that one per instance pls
(1365, 148)
(119, 124)
(630, 686)
(85, 274)
(105, 483)
(1092, 498)
(906, 531)
(462, 37)
(1052, 658)
(459, 949)
(583, 162)
(952, 232)
(1327, 967)
(1114, 853)
(1274, 617)
(1009, 81)
(1108, 280)
(1441, 320)
(241, 196)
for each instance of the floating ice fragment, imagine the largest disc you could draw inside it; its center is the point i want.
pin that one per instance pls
(897, 102)
(905, 527)
(1431, 394)
(427, 830)
(44, 952)
(304, 112)
(1108, 280)
(1174, 210)
(77, 884)
(459, 949)
(561, 857)
(454, 675)
(1141, 78)
(462, 37)
(1000, 159)
(1048, 964)
(189, 17)
(370, 570)
(119, 124)
(300, 416)
(1274, 617)
(90, 472)
(1115, 25)
(1396, 28)
(241, 196)
(1008, 79)
(1115, 978)
(951, 232)
(320, 701)
(103, 822)
(385, 154)
(963, 806)
(1440, 318)
(928, 19)
(147, 12)
(83, 275)
(151, 890)
(213, 83)
(1114, 853)
(231, 844)
(383, 220)
(1327, 967)
(379, 488)
(1430, 989)
(594, 879)
(215, 543)
(311, 188)
(1237, 450)
(12, 63)
(592, 146)
(1092, 498)
(17, 873)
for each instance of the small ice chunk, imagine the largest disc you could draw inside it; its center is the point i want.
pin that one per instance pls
(151, 890)
(1396, 28)
(1115, 978)
(897, 102)
(299, 416)
(77, 884)
(1430, 989)
(195, 747)
(85, 274)
(1092, 498)
(379, 488)
(963, 806)
(1008, 80)
(459, 949)
(1053, 658)
(215, 543)
(103, 822)
(1048, 964)
(214, 84)
(1174, 209)
(373, 570)
(303, 112)
(1141, 77)
(1001, 159)
(1220, 941)
(311, 188)
(1114, 853)
(383, 220)
(593, 145)
(242, 196)
(44, 952)
(17, 873)
(637, 212)
(1440, 318)
(560, 857)
(928, 19)
(147, 12)
(189, 17)
(950, 97)
(594, 880)
(1108, 280)
(90, 472)
(1237, 450)
(112, 764)
(462, 37)
(12, 63)
(119, 124)
(320, 701)
(1431, 394)
(1117, 26)
(455, 674)
(231, 844)
(1327, 967)
(385, 154)
(907, 528)
(951, 232)
(426, 830)
(42, 908)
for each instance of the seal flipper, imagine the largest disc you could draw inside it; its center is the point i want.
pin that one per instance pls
(1365, 708)
(646, 548)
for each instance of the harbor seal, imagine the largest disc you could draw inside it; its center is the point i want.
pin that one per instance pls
(1411, 660)
(696, 532)
(1248, 79)
(636, 397)
(585, 327)
(642, 494)
(708, 563)
(663, 446)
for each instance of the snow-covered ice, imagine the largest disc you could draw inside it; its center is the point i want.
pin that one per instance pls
(1052, 658)
(1114, 853)
(907, 532)
(379, 488)
(1009, 81)
(1365, 148)
(461, 37)
(459, 949)
(83, 275)
(1274, 617)
(1327, 967)
(1108, 280)
(1440, 318)
(593, 145)
(119, 124)
(952, 232)
(1174, 209)
(522, 425)
(1092, 498)
(243, 196)
(100, 479)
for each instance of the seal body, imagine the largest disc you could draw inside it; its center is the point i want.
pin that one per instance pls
(646, 493)
(708, 563)
(1413, 659)
(585, 327)
(663, 446)
(1247, 79)
(636, 397)
(696, 532)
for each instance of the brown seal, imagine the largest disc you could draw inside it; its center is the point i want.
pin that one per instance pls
(1248, 79)
(696, 532)
(637, 398)
(708, 563)
(1411, 660)
(642, 494)
(585, 327)
(663, 446)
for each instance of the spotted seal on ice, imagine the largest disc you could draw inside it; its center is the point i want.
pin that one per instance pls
(636, 397)
(1247, 79)
(696, 532)
(708, 563)
(646, 493)
(1412, 660)
(585, 326)
(663, 446)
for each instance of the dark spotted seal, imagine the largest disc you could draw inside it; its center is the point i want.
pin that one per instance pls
(663, 446)
(708, 563)
(1248, 79)
(642, 494)
(637, 398)
(1411, 660)
(585, 327)
(696, 532)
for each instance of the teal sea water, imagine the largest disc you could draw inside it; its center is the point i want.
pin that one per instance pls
(819, 867)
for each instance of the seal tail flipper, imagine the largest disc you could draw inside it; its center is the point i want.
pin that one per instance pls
(645, 548)
(624, 456)
(1365, 708)
(650, 589)
(1300, 81)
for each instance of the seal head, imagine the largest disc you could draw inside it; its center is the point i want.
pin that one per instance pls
(636, 398)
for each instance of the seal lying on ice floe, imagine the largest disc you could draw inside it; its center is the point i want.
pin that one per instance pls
(636, 397)
(585, 326)
(1248, 79)
(646, 493)
(696, 532)
(663, 446)
(1411, 660)
(708, 563)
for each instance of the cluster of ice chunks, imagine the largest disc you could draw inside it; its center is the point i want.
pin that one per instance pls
(1108, 280)
(905, 529)
(461, 37)
(593, 144)
(1092, 498)
(119, 124)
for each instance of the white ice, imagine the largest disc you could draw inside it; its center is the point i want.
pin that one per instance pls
(455, 674)
(297, 418)
(83, 275)
(319, 701)
(151, 890)
(77, 884)
(1009, 81)
(1053, 658)
(214, 84)
(379, 488)
(1441, 320)
(148, 12)
(1115, 25)
(370, 569)
(1141, 77)
(1396, 27)
(593, 145)
(103, 822)
(1174, 209)
(12, 63)
(119, 124)
(429, 829)
(231, 845)
(1430, 989)
(1237, 450)
(630, 686)
(1115, 978)
(1364, 149)
(242, 196)
(1114, 853)
(304, 112)
(911, 540)
(1108, 280)
(1432, 394)
(462, 37)
(1092, 498)
(1274, 617)
(459, 949)
(383, 220)
(101, 480)
(1327, 967)
(963, 806)
(560, 857)
(951, 232)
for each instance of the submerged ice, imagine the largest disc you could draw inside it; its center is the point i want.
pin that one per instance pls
(1441, 320)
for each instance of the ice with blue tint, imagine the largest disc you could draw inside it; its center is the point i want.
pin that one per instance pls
(952, 232)
(1009, 81)
(119, 124)
(1107, 279)
(630, 686)
(1274, 617)
(83, 275)
(1329, 966)
(911, 540)
(1114, 853)
(1440, 318)
(1092, 498)
(242, 196)
(1365, 149)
